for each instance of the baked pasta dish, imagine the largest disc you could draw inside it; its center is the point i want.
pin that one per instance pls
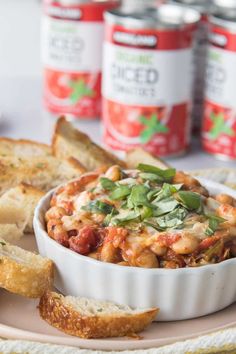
(147, 217)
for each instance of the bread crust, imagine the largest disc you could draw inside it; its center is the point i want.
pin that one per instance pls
(8, 145)
(24, 279)
(70, 321)
(41, 172)
(139, 155)
(68, 141)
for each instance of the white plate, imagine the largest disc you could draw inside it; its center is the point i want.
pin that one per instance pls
(19, 319)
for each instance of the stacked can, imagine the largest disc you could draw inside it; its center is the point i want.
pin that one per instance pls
(72, 38)
(200, 54)
(224, 4)
(147, 79)
(140, 5)
(219, 125)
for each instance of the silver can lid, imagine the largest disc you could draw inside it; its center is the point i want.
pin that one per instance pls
(167, 16)
(224, 18)
(137, 5)
(202, 6)
(227, 4)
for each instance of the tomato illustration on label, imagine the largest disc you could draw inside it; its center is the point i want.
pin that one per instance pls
(152, 126)
(80, 90)
(219, 126)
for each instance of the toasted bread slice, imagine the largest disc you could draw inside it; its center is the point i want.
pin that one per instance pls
(139, 155)
(23, 148)
(18, 204)
(89, 318)
(23, 272)
(42, 172)
(68, 141)
(12, 232)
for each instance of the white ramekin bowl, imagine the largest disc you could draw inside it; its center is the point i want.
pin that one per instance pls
(179, 293)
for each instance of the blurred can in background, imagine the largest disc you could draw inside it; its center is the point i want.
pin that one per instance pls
(147, 79)
(200, 53)
(224, 4)
(72, 39)
(139, 5)
(219, 125)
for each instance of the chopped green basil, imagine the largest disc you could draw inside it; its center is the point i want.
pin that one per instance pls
(190, 200)
(2, 243)
(109, 217)
(214, 222)
(138, 196)
(172, 219)
(166, 191)
(151, 177)
(165, 206)
(120, 192)
(214, 250)
(122, 220)
(167, 174)
(146, 212)
(152, 222)
(153, 193)
(98, 206)
(107, 184)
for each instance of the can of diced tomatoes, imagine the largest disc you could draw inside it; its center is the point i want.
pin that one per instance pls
(219, 125)
(200, 54)
(139, 5)
(72, 39)
(224, 4)
(147, 79)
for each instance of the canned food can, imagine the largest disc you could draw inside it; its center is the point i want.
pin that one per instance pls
(147, 79)
(225, 4)
(200, 53)
(139, 5)
(72, 38)
(219, 125)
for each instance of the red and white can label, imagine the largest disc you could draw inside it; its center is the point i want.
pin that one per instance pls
(147, 79)
(72, 37)
(219, 125)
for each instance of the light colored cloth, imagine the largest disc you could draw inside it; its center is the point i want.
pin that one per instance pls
(216, 343)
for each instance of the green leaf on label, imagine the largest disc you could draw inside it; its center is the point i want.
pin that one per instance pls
(120, 192)
(152, 126)
(107, 184)
(191, 200)
(79, 90)
(98, 206)
(167, 174)
(219, 126)
(214, 222)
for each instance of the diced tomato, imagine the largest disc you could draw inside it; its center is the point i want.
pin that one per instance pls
(68, 206)
(86, 241)
(171, 256)
(116, 235)
(168, 239)
(207, 242)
